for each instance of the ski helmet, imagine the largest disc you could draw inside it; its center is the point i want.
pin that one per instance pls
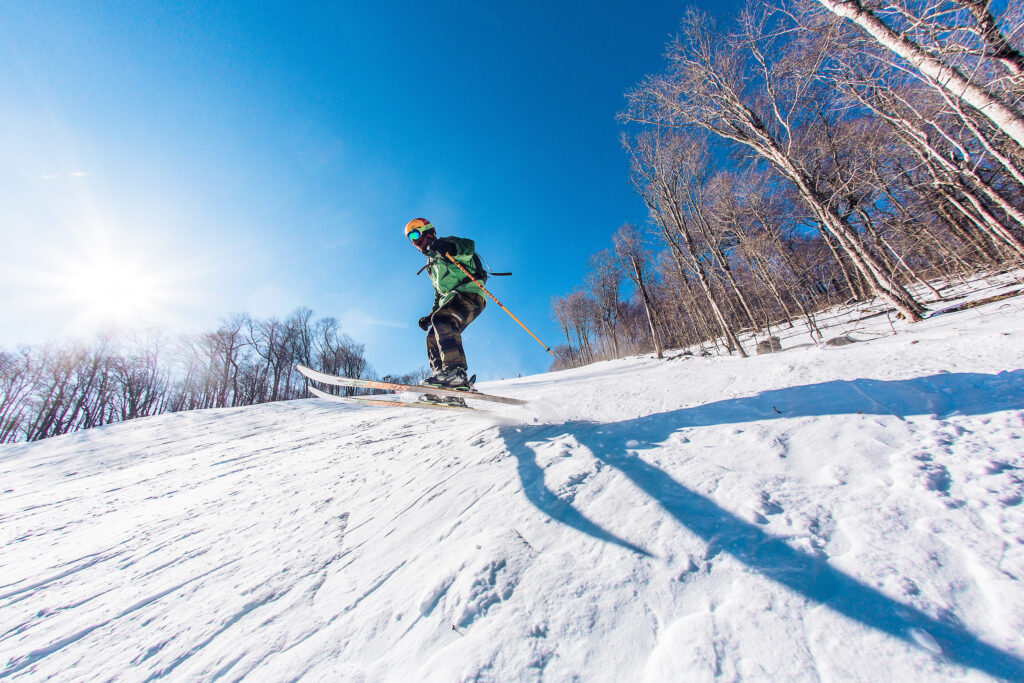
(418, 225)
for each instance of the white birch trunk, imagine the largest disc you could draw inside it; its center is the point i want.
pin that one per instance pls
(943, 75)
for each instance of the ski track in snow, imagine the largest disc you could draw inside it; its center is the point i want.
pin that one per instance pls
(848, 513)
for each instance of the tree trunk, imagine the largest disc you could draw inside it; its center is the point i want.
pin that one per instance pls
(944, 76)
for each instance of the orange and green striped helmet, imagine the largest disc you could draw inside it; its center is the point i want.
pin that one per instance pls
(416, 227)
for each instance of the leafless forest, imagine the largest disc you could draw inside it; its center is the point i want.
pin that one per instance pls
(808, 154)
(57, 389)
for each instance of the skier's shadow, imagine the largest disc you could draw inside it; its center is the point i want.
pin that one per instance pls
(812, 577)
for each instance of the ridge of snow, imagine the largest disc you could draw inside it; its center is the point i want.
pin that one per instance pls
(821, 513)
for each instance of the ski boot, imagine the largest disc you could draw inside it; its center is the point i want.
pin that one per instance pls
(451, 378)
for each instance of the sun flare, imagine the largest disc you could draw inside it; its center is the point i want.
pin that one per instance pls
(112, 288)
(109, 289)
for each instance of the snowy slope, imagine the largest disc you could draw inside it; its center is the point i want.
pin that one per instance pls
(848, 513)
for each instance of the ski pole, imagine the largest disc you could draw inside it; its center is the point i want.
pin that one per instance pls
(478, 284)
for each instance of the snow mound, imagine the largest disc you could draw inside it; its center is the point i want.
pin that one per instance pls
(850, 512)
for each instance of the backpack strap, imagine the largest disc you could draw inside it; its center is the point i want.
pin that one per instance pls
(486, 269)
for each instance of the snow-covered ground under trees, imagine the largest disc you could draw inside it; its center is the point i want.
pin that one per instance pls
(836, 513)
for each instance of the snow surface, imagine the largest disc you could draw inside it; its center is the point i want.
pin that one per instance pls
(824, 513)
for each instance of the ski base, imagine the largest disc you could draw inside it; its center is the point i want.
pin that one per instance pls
(367, 401)
(395, 386)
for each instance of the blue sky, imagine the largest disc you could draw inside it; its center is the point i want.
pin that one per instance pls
(177, 162)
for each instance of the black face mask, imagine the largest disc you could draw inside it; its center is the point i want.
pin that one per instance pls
(425, 240)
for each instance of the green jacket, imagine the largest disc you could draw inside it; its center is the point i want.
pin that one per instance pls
(447, 277)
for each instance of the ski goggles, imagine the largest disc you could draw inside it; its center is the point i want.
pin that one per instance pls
(416, 233)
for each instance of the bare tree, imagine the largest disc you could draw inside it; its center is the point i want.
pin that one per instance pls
(901, 37)
(925, 126)
(711, 85)
(16, 383)
(141, 382)
(668, 171)
(561, 312)
(634, 259)
(61, 388)
(604, 282)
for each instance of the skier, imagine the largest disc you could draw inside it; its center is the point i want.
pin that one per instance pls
(457, 302)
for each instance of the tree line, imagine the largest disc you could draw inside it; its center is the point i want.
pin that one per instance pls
(810, 153)
(60, 388)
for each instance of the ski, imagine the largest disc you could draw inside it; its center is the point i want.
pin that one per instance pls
(394, 386)
(366, 401)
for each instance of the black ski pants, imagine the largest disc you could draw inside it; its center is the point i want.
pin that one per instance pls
(444, 336)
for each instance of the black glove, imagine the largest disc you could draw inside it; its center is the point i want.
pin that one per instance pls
(425, 323)
(441, 247)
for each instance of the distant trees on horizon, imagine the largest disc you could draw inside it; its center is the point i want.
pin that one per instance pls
(55, 389)
(812, 152)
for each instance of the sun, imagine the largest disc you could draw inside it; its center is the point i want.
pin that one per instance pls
(80, 288)
(113, 290)
(112, 287)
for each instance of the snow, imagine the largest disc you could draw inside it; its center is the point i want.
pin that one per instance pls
(836, 513)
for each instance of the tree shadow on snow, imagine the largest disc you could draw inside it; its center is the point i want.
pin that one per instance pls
(942, 395)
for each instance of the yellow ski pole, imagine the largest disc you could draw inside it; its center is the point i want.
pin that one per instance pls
(478, 284)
